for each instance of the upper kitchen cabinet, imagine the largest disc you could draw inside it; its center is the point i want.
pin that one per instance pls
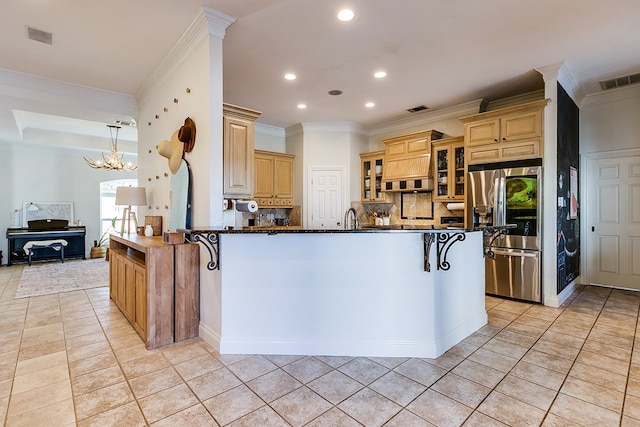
(238, 144)
(448, 166)
(371, 177)
(511, 133)
(273, 186)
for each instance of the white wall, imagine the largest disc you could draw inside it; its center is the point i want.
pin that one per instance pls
(610, 120)
(41, 173)
(194, 79)
(154, 169)
(270, 138)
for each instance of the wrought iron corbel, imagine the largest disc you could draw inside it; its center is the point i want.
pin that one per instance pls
(212, 243)
(490, 236)
(444, 241)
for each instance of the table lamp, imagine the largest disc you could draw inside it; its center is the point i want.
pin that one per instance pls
(130, 196)
(31, 207)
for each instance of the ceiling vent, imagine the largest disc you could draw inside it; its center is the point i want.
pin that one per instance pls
(416, 109)
(620, 81)
(39, 35)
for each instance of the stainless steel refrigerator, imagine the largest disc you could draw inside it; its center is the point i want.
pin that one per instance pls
(509, 193)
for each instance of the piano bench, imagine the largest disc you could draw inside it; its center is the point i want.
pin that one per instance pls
(56, 246)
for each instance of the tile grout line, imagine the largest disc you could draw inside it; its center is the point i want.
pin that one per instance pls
(633, 346)
(577, 355)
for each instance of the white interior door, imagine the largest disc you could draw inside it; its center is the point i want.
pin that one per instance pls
(614, 222)
(326, 195)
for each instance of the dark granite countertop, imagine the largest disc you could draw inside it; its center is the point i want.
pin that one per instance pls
(299, 230)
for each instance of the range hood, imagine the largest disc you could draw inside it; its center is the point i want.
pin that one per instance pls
(407, 162)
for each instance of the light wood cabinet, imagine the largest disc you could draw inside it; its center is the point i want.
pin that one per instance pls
(511, 133)
(371, 177)
(238, 144)
(449, 169)
(407, 156)
(147, 278)
(273, 186)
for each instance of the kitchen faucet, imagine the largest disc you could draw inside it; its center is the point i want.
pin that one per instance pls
(347, 219)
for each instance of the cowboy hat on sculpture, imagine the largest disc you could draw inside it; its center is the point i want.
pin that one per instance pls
(172, 150)
(187, 134)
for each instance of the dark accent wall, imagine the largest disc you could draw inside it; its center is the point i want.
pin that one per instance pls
(568, 238)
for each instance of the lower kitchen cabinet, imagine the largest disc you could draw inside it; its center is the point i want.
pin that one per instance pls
(155, 285)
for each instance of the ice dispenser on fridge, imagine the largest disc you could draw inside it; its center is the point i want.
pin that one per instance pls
(482, 216)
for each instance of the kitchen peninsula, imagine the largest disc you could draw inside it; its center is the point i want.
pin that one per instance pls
(403, 292)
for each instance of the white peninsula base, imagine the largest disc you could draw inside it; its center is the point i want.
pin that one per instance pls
(346, 294)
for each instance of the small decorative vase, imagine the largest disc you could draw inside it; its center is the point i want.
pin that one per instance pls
(148, 231)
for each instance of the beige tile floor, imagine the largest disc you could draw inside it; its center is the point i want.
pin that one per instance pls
(72, 359)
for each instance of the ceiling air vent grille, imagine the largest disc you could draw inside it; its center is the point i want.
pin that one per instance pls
(39, 35)
(416, 109)
(620, 81)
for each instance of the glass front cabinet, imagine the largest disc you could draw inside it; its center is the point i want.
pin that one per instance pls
(371, 177)
(448, 165)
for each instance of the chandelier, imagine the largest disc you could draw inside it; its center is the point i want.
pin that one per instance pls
(113, 161)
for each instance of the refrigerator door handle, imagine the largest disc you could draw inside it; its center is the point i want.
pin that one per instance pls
(500, 220)
(496, 200)
(525, 254)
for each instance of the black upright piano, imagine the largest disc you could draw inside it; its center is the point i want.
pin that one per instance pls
(46, 229)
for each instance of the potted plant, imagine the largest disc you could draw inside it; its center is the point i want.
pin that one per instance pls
(99, 248)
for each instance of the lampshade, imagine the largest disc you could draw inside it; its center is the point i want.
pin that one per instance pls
(131, 196)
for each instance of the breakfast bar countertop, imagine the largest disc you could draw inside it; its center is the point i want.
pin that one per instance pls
(299, 229)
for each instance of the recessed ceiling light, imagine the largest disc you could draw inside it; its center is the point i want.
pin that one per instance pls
(346, 15)
(380, 74)
(370, 105)
(290, 76)
(302, 106)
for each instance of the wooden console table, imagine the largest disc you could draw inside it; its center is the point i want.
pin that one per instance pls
(156, 286)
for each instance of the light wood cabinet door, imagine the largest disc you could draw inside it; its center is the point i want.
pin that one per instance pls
(238, 144)
(283, 177)
(129, 290)
(482, 132)
(140, 308)
(263, 186)
(516, 127)
(449, 169)
(238, 157)
(371, 177)
(273, 186)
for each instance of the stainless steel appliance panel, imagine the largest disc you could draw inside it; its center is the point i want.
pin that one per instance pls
(483, 196)
(514, 273)
(519, 193)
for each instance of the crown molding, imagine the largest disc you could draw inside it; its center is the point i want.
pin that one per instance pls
(293, 130)
(269, 130)
(428, 117)
(208, 23)
(329, 127)
(570, 84)
(60, 94)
